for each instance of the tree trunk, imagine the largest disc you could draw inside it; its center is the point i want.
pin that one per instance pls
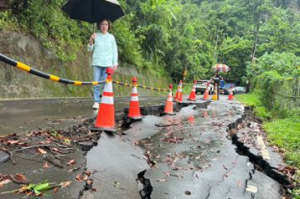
(255, 40)
(216, 48)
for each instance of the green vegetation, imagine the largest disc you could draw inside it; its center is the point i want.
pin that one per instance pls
(167, 36)
(286, 134)
(275, 88)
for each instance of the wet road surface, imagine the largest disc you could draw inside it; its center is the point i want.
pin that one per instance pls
(190, 156)
(24, 115)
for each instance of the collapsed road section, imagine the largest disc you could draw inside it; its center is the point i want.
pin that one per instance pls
(194, 153)
(187, 155)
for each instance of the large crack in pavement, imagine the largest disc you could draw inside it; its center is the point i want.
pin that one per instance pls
(239, 132)
(125, 143)
(197, 153)
(194, 156)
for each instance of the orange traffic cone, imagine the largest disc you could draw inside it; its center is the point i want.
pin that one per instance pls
(215, 96)
(178, 90)
(206, 94)
(230, 96)
(192, 96)
(179, 99)
(134, 107)
(106, 115)
(169, 102)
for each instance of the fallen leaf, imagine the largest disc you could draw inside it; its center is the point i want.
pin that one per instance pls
(65, 184)
(12, 142)
(239, 183)
(42, 151)
(74, 169)
(85, 178)
(67, 141)
(167, 173)
(198, 157)
(23, 189)
(71, 162)
(55, 189)
(90, 181)
(20, 177)
(45, 142)
(46, 166)
(22, 144)
(4, 182)
(117, 184)
(78, 178)
(87, 173)
(53, 149)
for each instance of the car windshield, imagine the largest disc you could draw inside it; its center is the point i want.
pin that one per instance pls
(239, 88)
(202, 81)
(229, 85)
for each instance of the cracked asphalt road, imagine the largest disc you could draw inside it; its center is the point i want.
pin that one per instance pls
(191, 154)
(194, 158)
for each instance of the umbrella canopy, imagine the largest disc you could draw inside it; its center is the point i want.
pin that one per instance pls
(93, 11)
(221, 68)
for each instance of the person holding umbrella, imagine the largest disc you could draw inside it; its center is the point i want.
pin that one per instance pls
(105, 54)
(102, 44)
(217, 78)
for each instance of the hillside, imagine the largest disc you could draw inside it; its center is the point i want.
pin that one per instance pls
(162, 37)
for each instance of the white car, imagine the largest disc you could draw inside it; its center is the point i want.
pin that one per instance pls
(201, 86)
(239, 90)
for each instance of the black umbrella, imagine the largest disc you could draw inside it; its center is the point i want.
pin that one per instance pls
(93, 11)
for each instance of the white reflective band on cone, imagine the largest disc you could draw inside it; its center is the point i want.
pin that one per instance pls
(108, 87)
(134, 98)
(107, 100)
(134, 90)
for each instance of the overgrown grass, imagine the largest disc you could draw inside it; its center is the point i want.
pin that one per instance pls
(285, 133)
(253, 100)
